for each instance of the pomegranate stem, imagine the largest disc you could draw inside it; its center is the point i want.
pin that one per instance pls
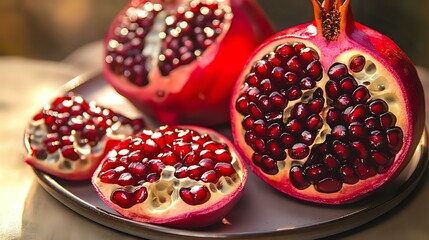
(332, 17)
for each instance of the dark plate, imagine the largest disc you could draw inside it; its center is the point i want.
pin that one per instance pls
(262, 213)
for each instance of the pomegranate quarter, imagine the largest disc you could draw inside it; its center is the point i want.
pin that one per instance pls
(328, 111)
(177, 60)
(69, 137)
(177, 176)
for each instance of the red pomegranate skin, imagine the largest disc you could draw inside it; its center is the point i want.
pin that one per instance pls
(352, 36)
(208, 81)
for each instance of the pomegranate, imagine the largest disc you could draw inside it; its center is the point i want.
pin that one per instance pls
(183, 176)
(69, 137)
(161, 54)
(328, 111)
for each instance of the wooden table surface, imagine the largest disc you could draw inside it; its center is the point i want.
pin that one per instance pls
(27, 211)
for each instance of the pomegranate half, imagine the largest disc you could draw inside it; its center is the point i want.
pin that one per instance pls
(328, 111)
(177, 60)
(69, 137)
(182, 176)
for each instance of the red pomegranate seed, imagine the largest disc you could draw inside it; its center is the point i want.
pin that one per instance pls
(387, 120)
(333, 117)
(348, 175)
(333, 89)
(298, 178)
(207, 164)
(357, 63)
(343, 101)
(278, 75)
(260, 128)
(329, 185)
(348, 84)
(315, 173)
(262, 68)
(361, 94)
(293, 93)
(125, 178)
(339, 132)
(314, 70)
(378, 107)
(331, 163)
(210, 176)
(69, 152)
(274, 131)
(195, 195)
(223, 155)
(287, 140)
(294, 126)
(394, 139)
(294, 65)
(254, 111)
(286, 51)
(355, 113)
(140, 195)
(299, 151)
(314, 122)
(341, 149)
(252, 80)
(307, 83)
(253, 94)
(275, 150)
(357, 130)
(224, 169)
(195, 172)
(264, 103)
(291, 79)
(265, 86)
(337, 71)
(277, 101)
(123, 198)
(138, 168)
(377, 139)
(372, 123)
(360, 148)
(300, 111)
(269, 165)
(316, 105)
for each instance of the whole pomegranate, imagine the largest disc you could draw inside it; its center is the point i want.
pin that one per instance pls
(179, 176)
(177, 60)
(69, 137)
(328, 111)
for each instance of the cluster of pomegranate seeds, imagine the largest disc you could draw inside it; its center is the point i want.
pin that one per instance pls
(363, 141)
(274, 81)
(182, 36)
(190, 32)
(124, 50)
(284, 112)
(142, 159)
(70, 120)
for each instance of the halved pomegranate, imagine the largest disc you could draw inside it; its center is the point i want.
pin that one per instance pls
(182, 176)
(69, 137)
(328, 111)
(163, 54)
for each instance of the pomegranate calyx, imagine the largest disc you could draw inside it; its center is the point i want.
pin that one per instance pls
(332, 17)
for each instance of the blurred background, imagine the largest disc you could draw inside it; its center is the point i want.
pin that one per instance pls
(52, 29)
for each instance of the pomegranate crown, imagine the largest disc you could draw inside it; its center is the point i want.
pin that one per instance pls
(332, 17)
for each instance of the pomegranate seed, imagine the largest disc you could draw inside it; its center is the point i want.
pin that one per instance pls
(260, 128)
(293, 93)
(314, 122)
(357, 63)
(332, 89)
(299, 151)
(274, 130)
(287, 140)
(195, 195)
(341, 149)
(339, 132)
(138, 168)
(252, 80)
(123, 198)
(190, 159)
(357, 130)
(109, 176)
(315, 173)
(360, 149)
(387, 120)
(394, 139)
(314, 70)
(210, 176)
(286, 51)
(223, 155)
(253, 94)
(316, 105)
(355, 114)
(343, 101)
(125, 179)
(278, 75)
(262, 68)
(254, 111)
(224, 169)
(294, 126)
(69, 152)
(264, 103)
(207, 164)
(300, 111)
(291, 79)
(337, 71)
(333, 117)
(348, 175)
(182, 172)
(195, 172)
(378, 107)
(140, 195)
(298, 46)
(266, 86)
(247, 122)
(307, 83)
(348, 84)
(307, 137)
(328, 185)
(331, 163)
(377, 139)
(269, 165)
(275, 150)
(298, 178)
(360, 94)
(277, 101)
(372, 123)
(294, 65)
